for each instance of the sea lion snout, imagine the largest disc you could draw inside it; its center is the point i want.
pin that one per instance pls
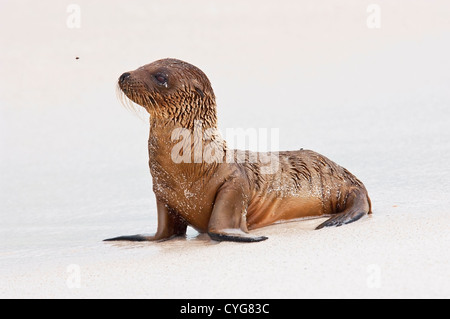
(134, 86)
(124, 77)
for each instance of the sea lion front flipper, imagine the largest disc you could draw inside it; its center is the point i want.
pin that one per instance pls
(169, 225)
(228, 221)
(131, 238)
(235, 235)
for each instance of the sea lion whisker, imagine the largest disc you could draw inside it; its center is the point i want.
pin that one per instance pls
(129, 102)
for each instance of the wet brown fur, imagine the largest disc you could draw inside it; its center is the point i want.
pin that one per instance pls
(226, 199)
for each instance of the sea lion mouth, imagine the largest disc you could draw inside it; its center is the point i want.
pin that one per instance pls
(135, 99)
(132, 93)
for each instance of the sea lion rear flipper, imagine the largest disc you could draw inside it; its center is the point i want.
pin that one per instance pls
(228, 219)
(346, 217)
(358, 205)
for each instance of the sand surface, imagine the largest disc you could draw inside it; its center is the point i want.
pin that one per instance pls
(73, 161)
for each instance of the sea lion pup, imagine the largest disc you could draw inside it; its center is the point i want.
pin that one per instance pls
(199, 182)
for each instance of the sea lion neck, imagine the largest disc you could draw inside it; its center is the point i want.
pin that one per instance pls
(185, 113)
(197, 137)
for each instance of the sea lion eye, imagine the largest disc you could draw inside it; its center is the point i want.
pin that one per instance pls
(161, 79)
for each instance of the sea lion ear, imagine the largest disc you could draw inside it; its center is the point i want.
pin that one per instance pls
(200, 92)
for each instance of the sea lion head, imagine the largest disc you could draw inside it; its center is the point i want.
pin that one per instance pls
(171, 89)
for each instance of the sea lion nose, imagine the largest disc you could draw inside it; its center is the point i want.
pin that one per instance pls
(124, 76)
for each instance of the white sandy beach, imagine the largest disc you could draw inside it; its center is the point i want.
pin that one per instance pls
(73, 160)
